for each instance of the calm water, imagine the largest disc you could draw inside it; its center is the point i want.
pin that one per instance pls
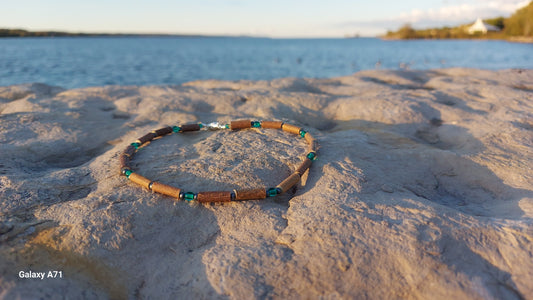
(81, 62)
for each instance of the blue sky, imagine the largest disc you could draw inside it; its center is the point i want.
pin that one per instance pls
(273, 18)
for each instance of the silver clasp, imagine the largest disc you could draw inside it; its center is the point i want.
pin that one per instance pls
(214, 126)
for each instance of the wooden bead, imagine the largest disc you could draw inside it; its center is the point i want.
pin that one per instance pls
(309, 138)
(304, 166)
(190, 127)
(311, 141)
(289, 182)
(130, 150)
(240, 124)
(291, 128)
(140, 180)
(166, 190)
(214, 197)
(163, 131)
(146, 138)
(271, 124)
(250, 194)
(124, 161)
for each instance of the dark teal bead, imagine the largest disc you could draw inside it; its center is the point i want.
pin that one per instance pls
(201, 125)
(128, 172)
(256, 124)
(189, 196)
(311, 155)
(272, 192)
(227, 126)
(176, 129)
(136, 145)
(302, 132)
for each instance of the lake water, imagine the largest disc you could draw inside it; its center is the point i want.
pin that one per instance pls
(94, 61)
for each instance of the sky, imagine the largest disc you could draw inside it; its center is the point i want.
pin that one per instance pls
(272, 18)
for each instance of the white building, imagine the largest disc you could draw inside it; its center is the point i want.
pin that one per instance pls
(480, 26)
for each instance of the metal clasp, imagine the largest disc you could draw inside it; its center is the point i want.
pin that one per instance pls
(214, 126)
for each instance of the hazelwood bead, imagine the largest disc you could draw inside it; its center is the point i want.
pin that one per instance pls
(130, 150)
(146, 138)
(271, 124)
(240, 124)
(250, 194)
(213, 197)
(124, 161)
(140, 180)
(289, 182)
(164, 189)
(311, 141)
(304, 166)
(309, 138)
(163, 131)
(190, 127)
(291, 128)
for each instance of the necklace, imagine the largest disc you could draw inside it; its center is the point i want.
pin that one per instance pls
(218, 196)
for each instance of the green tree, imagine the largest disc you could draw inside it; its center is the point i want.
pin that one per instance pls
(498, 22)
(407, 32)
(521, 22)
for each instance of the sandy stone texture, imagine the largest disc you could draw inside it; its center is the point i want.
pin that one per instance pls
(423, 189)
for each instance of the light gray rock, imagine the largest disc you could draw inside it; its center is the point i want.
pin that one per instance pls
(423, 189)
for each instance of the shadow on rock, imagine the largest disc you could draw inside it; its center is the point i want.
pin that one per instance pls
(436, 170)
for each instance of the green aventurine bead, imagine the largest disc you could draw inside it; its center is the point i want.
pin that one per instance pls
(176, 129)
(136, 145)
(256, 124)
(311, 155)
(189, 196)
(302, 133)
(272, 192)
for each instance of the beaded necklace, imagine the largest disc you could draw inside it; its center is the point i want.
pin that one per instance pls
(218, 196)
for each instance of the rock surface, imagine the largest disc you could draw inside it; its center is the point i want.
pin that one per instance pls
(423, 189)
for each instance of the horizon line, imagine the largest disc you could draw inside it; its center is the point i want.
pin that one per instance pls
(67, 33)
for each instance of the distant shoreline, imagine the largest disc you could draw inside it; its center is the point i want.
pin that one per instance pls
(516, 28)
(22, 33)
(514, 39)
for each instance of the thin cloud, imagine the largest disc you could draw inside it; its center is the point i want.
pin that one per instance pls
(462, 12)
(450, 15)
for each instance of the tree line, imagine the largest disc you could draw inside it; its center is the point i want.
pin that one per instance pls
(520, 24)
